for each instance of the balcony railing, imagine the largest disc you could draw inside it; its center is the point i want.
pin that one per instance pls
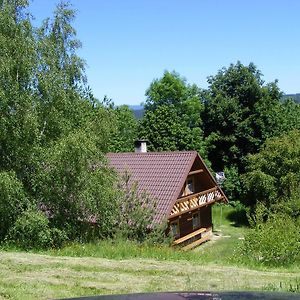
(193, 201)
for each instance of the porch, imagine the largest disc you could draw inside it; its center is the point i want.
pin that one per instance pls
(194, 239)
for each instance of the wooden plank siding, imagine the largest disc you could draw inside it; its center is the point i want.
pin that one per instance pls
(186, 220)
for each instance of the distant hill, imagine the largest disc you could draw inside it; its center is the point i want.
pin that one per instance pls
(138, 111)
(296, 97)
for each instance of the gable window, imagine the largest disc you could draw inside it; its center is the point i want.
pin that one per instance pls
(174, 228)
(189, 187)
(196, 220)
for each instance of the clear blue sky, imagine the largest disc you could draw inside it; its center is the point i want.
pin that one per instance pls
(128, 43)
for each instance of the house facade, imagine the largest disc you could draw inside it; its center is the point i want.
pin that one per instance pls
(182, 186)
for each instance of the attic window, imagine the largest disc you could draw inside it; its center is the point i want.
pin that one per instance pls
(189, 187)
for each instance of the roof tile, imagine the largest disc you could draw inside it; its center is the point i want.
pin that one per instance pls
(161, 174)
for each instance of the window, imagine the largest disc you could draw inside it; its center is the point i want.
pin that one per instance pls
(196, 220)
(174, 228)
(189, 187)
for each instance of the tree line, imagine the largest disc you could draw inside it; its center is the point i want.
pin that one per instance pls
(55, 185)
(54, 178)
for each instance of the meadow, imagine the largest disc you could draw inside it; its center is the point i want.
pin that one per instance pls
(114, 267)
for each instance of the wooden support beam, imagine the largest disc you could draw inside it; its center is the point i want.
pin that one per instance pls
(196, 172)
(196, 243)
(189, 236)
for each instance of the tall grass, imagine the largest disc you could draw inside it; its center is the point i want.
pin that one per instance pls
(125, 249)
(221, 251)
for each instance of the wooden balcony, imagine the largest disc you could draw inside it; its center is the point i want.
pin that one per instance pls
(194, 201)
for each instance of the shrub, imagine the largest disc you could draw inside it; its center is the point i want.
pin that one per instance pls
(136, 213)
(13, 201)
(274, 172)
(30, 231)
(58, 237)
(75, 185)
(275, 242)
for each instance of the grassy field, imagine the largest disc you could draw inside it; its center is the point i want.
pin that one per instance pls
(122, 267)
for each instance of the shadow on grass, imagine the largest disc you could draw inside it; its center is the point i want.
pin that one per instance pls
(238, 217)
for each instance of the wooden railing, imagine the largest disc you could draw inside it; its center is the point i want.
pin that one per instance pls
(189, 236)
(193, 201)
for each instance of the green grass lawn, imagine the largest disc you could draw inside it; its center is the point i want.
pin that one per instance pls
(112, 267)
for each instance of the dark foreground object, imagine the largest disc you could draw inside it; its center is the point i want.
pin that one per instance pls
(196, 296)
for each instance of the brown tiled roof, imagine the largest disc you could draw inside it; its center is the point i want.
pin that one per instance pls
(161, 174)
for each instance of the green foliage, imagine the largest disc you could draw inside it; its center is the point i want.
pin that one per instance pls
(135, 220)
(172, 115)
(290, 205)
(74, 184)
(272, 186)
(31, 230)
(125, 134)
(273, 243)
(274, 171)
(13, 201)
(18, 122)
(58, 238)
(167, 132)
(241, 113)
(60, 84)
(170, 89)
(53, 132)
(293, 97)
(232, 185)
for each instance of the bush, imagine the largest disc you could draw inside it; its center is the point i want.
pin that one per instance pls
(75, 185)
(13, 201)
(135, 220)
(31, 231)
(58, 237)
(274, 172)
(275, 242)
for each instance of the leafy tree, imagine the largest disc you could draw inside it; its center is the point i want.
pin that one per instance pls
(172, 115)
(124, 134)
(171, 89)
(274, 172)
(241, 113)
(74, 186)
(53, 133)
(136, 210)
(272, 187)
(13, 201)
(60, 81)
(232, 184)
(18, 122)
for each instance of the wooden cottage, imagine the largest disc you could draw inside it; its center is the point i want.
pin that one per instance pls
(183, 187)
